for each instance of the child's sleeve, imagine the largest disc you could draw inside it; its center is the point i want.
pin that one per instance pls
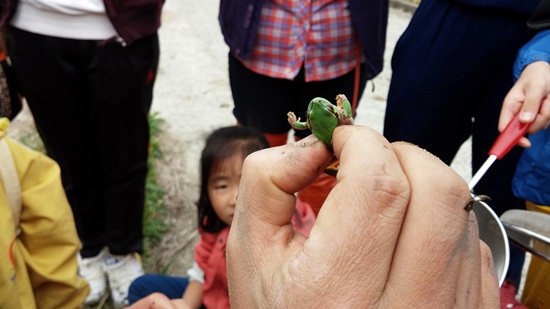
(537, 49)
(48, 243)
(203, 251)
(195, 273)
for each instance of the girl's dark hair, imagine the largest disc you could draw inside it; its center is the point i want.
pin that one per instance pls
(220, 145)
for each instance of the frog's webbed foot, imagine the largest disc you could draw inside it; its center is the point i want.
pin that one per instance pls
(295, 122)
(340, 100)
(292, 119)
(344, 110)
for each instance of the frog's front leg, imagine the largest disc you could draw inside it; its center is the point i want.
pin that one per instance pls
(295, 122)
(345, 115)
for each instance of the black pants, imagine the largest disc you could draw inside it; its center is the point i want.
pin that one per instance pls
(452, 68)
(262, 102)
(90, 101)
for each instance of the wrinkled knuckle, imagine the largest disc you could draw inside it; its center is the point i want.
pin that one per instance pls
(391, 189)
(395, 187)
(452, 183)
(453, 187)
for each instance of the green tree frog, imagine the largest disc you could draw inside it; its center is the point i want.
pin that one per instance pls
(322, 117)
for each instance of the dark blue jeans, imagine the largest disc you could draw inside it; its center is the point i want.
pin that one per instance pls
(172, 287)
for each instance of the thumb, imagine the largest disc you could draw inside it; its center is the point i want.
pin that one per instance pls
(261, 235)
(269, 180)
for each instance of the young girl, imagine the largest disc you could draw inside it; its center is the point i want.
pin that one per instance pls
(221, 163)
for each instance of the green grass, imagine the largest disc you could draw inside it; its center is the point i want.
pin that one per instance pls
(154, 225)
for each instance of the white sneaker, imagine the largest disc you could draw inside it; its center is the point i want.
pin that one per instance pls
(121, 272)
(91, 269)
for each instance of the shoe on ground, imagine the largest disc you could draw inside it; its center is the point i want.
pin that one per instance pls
(121, 272)
(91, 269)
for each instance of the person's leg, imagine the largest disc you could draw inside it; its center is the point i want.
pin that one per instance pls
(121, 84)
(495, 74)
(172, 287)
(54, 84)
(261, 102)
(430, 69)
(447, 75)
(90, 102)
(497, 181)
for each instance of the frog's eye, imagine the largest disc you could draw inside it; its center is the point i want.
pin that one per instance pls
(330, 108)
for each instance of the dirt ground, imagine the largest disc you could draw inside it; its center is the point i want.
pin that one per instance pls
(192, 94)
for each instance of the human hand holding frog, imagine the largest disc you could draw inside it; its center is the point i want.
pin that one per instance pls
(393, 233)
(322, 117)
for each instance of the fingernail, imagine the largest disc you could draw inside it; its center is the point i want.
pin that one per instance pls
(526, 116)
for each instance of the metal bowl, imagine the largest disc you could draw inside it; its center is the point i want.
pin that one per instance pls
(528, 230)
(492, 232)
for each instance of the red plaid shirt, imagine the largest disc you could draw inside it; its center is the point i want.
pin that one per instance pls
(315, 33)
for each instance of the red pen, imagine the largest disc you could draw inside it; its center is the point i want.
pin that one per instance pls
(505, 141)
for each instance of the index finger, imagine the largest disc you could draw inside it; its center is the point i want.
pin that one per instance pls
(511, 105)
(535, 94)
(362, 216)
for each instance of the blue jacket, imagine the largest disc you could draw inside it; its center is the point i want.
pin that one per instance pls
(239, 21)
(537, 49)
(532, 179)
